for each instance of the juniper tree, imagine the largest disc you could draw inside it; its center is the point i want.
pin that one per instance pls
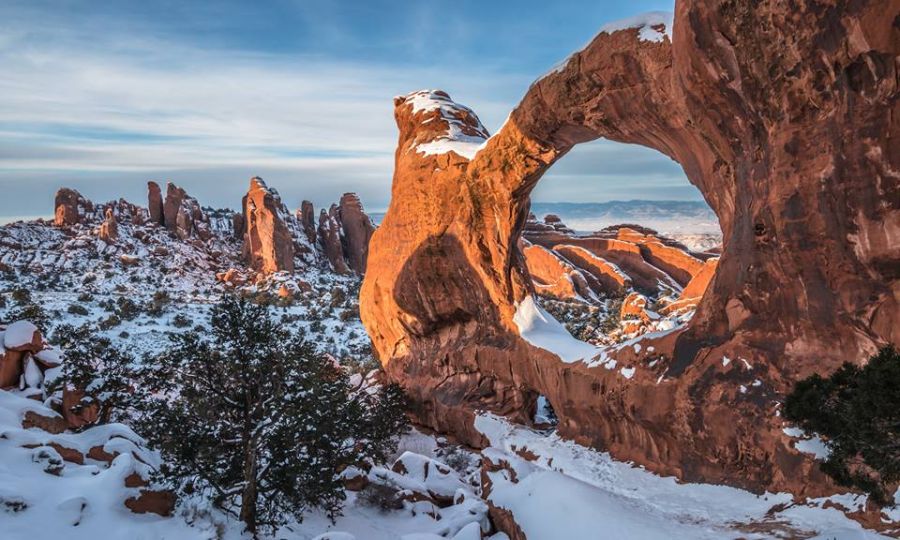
(857, 411)
(96, 369)
(253, 416)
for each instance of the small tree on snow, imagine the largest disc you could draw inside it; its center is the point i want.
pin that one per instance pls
(254, 416)
(99, 374)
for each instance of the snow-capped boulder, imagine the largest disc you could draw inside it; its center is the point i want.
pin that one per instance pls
(22, 336)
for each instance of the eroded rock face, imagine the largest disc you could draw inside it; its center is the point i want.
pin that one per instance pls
(554, 276)
(783, 121)
(268, 244)
(308, 219)
(329, 233)
(70, 207)
(183, 216)
(358, 229)
(109, 229)
(155, 203)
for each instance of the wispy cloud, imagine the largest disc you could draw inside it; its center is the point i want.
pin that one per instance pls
(110, 99)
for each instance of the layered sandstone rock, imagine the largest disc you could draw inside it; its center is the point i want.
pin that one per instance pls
(268, 243)
(329, 237)
(358, 229)
(783, 121)
(70, 207)
(554, 276)
(109, 229)
(155, 204)
(183, 216)
(308, 220)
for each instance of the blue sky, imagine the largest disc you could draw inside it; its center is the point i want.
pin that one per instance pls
(102, 96)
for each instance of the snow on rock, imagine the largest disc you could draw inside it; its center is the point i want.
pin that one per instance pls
(808, 443)
(540, 329)
(652, 26)
(586, 494)
(465, 133)
(19, 335)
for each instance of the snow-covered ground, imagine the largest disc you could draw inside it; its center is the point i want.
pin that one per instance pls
(570, 491)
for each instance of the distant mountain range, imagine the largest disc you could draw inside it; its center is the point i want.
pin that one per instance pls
(668, 217)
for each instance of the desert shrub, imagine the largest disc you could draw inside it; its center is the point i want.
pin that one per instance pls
(181, 321)
(856, 410)
(158, 303)
(77, 309)
(383, 497)
(30, 312)
(127, 309)
(338, 297)
(94, 366)
(21, 296)
(110, 322)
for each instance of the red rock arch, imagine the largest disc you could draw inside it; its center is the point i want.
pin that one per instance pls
(786, 120)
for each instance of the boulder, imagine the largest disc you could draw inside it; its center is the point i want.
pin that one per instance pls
(22, 336)
(150, 501)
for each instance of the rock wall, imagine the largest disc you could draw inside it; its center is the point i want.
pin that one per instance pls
(787, 123)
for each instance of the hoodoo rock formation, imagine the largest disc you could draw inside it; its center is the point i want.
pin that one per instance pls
(308, 219)
(155, 205)
(268, 242)
(329, 233)
(182, 214)
(358, 229)
(786, 121)
(70, 207)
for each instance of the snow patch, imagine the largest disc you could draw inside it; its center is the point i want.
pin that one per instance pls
(19, 334)
(645, 22)
(540, 329)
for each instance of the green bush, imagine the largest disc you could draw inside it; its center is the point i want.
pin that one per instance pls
(77, 309)
(856, 411)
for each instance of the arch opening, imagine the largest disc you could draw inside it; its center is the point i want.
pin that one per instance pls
(618, 242)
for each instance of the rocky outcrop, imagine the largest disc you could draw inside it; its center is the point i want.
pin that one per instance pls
(155, 205)
(308, 220)
(329, 233)
(19, 342)
(784, 124)
(183, 216)
(268, 243)
(554, 276)
(70, 207)
(109, 229)
(358, 229)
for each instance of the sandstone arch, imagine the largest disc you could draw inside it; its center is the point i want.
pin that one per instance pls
(787, 121)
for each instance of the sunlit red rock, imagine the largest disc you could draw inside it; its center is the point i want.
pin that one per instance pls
(785, 125)
(358, 229)
(70, 207)
(268, 244)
